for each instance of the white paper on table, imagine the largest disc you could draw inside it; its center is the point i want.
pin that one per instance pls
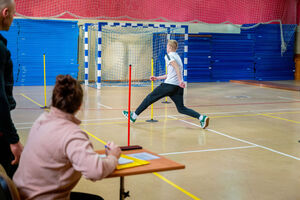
(121, 160)
(143, 156)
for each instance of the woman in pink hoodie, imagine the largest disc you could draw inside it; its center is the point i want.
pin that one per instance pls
(58, 152)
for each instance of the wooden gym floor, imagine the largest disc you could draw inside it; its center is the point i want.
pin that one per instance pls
(249, 151)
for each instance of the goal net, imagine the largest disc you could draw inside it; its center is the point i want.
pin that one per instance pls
(138, 46)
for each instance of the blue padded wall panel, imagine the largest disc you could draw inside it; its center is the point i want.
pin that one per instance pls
(57, 39)
(233, 57)
(199, 59)
(269, 63)
(254, 54)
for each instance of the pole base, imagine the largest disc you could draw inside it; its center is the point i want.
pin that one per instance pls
(132, 147)
(44, 107)
(151, 120)
(166, 102)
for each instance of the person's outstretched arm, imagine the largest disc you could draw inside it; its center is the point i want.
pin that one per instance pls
(154, 78)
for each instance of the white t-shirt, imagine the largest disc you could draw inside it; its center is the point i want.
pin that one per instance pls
(171, 73)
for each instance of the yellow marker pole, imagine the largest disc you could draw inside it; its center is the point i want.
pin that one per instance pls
(45, 94)
(166, 73)
(152, 88)
(151, 117)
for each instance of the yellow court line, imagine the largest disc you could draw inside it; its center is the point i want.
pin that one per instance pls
(228, 116)
(105, 123)
(158, 175)
(280, 113)
(100, 123)
(90, 134)
(98, 139)
(281, 118)
(176, 186)
(31, 99)
(118, 122)
(246, 115)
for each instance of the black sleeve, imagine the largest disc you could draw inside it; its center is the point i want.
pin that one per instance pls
(6, 124)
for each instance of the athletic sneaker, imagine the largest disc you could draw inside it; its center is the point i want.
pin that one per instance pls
(204, 122)
(125, 113)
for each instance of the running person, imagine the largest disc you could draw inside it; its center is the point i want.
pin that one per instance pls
(172, 87)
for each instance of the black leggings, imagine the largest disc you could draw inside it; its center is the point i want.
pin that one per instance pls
(174, 92)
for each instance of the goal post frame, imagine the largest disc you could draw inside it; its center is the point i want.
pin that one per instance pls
(134, 25)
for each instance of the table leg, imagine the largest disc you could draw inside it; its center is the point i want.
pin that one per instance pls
(122, 189)
(123, 194)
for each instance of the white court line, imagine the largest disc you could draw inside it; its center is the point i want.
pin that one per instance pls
(25, 123)
(288, 98)
(108, 107)
(23, 128)
(234, 138)
(204, 150)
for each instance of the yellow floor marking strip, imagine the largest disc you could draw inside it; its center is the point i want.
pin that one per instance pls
(158, 175)
(31, 99)
(281, 118)
(119, 122)
(173, 184)
(247, 115)
(282, 113)
(90, 134)
(176, 186)
(98, 139)
(122, 122)
(228, 116)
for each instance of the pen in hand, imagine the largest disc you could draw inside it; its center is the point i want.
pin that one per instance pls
(112, 149)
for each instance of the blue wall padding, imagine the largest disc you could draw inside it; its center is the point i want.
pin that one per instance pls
(199, 59)
(29, 39)
(253, 54)
(269, 63)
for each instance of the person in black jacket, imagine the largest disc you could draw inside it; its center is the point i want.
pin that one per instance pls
(10, 146)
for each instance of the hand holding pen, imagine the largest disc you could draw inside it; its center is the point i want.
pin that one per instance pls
(112, 149)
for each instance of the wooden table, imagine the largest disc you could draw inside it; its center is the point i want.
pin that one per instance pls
(156, 165)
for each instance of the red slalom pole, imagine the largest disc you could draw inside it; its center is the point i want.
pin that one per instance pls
(128, 147)
(129, 97)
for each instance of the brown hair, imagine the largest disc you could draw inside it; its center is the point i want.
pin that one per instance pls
(67, 94)
(5, 3)
(173, 44)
